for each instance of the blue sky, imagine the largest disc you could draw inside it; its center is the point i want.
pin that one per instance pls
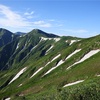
(79, 18)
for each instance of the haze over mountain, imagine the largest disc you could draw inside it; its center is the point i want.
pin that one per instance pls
(43, 66)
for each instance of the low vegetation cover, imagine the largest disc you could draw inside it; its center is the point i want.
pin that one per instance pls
(43, 66)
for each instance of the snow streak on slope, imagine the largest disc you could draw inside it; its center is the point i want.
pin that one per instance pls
(7, 98)
(49, 49)
(53, 59)
(69, 84)
(72, 41)
(56, 39)
(61, 61)
(36, 45)
(32, 49)
(18, 74)
(56, 57)
(17, 46)
(20, 85)
(73, 53)
(43, 38)
(98, 75)
(88, 55)
(45, 65)
(37, 72)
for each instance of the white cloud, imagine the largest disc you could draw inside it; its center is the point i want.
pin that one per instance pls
(52, 20)
(29, 15)
(42, 24)
(12, 19)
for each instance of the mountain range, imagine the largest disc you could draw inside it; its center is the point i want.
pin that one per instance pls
(44, 66)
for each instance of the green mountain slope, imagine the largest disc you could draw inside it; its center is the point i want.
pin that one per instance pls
(42, 66)
(6, 37)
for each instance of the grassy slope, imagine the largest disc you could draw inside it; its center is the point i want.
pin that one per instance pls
(60, 76)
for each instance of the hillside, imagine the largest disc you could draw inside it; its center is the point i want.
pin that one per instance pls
(43, 66)
(6, 37)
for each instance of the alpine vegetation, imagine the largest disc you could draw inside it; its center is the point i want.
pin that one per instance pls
(44, 66)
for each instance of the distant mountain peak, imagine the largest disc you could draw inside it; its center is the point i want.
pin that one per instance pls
(41, 33)
(20, 33)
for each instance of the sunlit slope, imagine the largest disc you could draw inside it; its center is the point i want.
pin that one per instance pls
(52, 68)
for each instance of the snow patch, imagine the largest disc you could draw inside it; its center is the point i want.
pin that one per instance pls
(72, 41)
(56, 57)
(37, 72)
(8, 98)
(57, 39)
(43, 38)
(20, 85)
(66, 41)
(49, 49)
(34, 47)
(25, 44)
(17, 46)
(59, 63)
(53, 59)
(20, 36)
(45, 65)
(18, 74)
(49, 71)
(12, 35)
(69, 84)
(88, 55)
(73, 53)
(98, 75)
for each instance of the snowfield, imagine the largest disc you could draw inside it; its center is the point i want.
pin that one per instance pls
(70, 84)
(18, 74)
(88, 55)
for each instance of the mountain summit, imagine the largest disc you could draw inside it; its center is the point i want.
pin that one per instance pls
(41, 33)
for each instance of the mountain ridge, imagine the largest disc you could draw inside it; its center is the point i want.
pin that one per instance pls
(37, 67)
